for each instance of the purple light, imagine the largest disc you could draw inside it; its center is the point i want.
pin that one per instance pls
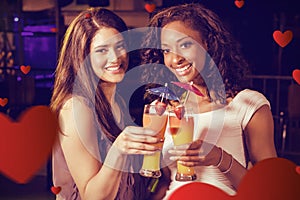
(39, 77)
(16, 19)
(27, 34)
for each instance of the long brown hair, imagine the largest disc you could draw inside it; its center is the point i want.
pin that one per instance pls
(74, 61)
(222, 49)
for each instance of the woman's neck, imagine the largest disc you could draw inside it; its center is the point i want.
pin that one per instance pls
(203, 103)
(109, 90)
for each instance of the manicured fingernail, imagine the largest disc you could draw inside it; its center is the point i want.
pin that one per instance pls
(181, 146)
(149, 132)
(171, 151)
(173, 158)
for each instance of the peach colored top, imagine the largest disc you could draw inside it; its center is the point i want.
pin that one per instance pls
(224, 127)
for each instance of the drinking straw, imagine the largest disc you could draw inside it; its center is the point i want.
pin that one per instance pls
(162, 97)
(153, 184)
(187, 94)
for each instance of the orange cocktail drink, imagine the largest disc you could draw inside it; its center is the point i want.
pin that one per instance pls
(156, 122)
(182, 129)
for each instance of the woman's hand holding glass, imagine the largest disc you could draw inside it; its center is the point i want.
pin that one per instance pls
(133, 140)
(198, 153)
(137, 140)
(181, 127)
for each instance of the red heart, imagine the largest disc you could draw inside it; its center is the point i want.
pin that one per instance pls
(55, 190)
(26, 145)
(3, 101)
(283, 39)
(25, 69)
(298, 169)
(150, 7)
(239, 3)
(193, 191)
(273, 178)
(296, 75)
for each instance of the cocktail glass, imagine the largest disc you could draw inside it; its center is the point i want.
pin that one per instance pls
(155, 118)
(181, 127)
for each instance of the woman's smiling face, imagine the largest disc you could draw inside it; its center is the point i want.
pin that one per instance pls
(184, 50)
(109, 55)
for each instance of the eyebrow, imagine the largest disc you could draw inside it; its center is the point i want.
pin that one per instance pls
(101, 46)
(182, 38)
(179, 40)
(106, 45)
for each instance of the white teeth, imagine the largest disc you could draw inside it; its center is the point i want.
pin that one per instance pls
(183, 68)
(112, 68)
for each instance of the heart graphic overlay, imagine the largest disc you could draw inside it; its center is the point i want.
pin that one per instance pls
(150, 7)
(283, 39)
(298, 169)
(296, 75)
(25, 69)
(3, 101)
(25, 145)
(55, 190)
(274, 178)
(239, 3)
(192, 191)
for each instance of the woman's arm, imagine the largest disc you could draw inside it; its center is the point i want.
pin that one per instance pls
(260, 135)
(259, 140)
(260, 144)
(80, 147)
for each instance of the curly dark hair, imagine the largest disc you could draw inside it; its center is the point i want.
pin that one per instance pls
(224, 52)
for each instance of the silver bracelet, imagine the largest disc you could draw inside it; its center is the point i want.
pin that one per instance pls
(230, 166)
(221, 159)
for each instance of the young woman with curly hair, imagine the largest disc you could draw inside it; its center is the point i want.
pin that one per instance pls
(233, 124)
